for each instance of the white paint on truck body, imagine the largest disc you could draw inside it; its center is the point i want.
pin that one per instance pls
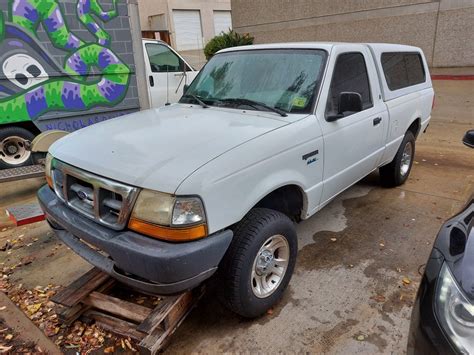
(232, 158)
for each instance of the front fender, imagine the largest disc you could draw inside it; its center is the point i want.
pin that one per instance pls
(235, 182)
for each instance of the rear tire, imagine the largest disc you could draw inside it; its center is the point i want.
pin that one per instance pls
(259, 262)
(397, 171)
(13, 152)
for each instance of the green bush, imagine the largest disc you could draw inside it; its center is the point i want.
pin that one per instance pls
(226, 40)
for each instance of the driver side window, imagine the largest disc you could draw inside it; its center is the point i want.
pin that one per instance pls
(350, 75)
(162, 59)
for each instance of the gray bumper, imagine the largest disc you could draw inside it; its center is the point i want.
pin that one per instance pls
(141, 262)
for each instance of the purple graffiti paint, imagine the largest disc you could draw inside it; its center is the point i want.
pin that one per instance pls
(110, 90)
(54, 21)
(106, 57)
(24, 9)
(77, 64)
(93, 27)
(71, 96)
(73, 42)
(15, 44)
(36, 102)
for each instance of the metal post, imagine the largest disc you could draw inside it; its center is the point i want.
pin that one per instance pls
(139, 56)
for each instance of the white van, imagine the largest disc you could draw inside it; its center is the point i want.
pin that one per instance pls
(167, 72)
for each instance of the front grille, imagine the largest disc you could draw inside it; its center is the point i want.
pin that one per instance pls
(106, 201)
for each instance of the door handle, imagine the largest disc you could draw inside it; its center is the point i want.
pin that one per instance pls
(152, 82)
(377, 120)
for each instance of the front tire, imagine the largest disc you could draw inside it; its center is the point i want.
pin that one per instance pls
(259, 262)
(397, 171)
(13, 147)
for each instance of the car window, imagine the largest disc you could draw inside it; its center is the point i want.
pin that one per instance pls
(286, 79)
(402, 69)
(350, 75)
(162, 59)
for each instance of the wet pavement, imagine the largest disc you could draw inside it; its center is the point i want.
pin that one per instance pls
(359, 261)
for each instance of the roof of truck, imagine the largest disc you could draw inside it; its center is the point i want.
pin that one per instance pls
(322, 45)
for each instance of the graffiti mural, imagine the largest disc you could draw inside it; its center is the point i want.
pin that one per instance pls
(35, 83)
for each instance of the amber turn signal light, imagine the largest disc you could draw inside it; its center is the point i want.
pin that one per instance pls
(49, 181)
(168, 233)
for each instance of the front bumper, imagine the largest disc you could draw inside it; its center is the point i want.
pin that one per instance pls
(141, 262)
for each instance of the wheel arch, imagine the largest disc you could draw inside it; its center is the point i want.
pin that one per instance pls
(28, 125)
(415, 127)
(290, 199)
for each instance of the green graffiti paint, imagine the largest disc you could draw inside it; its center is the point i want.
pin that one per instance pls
(77, 89)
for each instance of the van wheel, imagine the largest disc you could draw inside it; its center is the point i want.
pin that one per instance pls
(259, 262)
(396, 172)
(13, 147)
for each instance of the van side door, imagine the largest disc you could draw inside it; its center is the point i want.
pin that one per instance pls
(354, 143)
(165, 73)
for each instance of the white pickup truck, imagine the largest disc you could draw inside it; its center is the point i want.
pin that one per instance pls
(264, 137)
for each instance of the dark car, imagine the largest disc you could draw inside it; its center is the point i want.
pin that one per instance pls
(443, 315)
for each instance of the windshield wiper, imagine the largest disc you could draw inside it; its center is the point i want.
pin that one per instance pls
(197, 99)
(254, 104)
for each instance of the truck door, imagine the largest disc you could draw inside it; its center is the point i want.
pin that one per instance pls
(354, 143)
(165, 72)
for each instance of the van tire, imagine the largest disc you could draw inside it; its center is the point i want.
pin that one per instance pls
(7, 160)
(260, 231)
(397, 171)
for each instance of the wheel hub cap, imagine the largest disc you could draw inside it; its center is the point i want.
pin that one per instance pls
(13, 150)
(406, 159)
(270, 265)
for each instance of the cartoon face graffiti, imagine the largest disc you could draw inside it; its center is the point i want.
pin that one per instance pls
(32, 83)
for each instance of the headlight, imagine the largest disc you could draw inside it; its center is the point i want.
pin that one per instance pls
(168, 217)
(455, 312)
(47, 169)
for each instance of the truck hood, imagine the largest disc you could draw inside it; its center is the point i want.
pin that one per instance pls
(158, 148)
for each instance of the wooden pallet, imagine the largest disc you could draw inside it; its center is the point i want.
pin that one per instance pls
(91, 298)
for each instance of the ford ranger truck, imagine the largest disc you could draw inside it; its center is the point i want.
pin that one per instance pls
(264, 136)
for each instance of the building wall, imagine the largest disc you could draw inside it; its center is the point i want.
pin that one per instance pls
(206, 8)
(444, 29)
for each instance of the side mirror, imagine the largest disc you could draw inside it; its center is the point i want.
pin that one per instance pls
(347, 102)
(468, 139)
(185, 88)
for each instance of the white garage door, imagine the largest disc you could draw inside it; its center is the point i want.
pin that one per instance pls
(222, 21)
(188, 30)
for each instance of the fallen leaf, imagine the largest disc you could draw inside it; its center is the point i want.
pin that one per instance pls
(378, 298)
(360, 338)
(406, 281)
(333, 239)
(129, 345)
(34, 308)
(270, 311)
(382, 245)
(3, 308)
(9, 337)
(109, 350)
(4, 349)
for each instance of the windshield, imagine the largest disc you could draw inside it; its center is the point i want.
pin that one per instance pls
(283, 79)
